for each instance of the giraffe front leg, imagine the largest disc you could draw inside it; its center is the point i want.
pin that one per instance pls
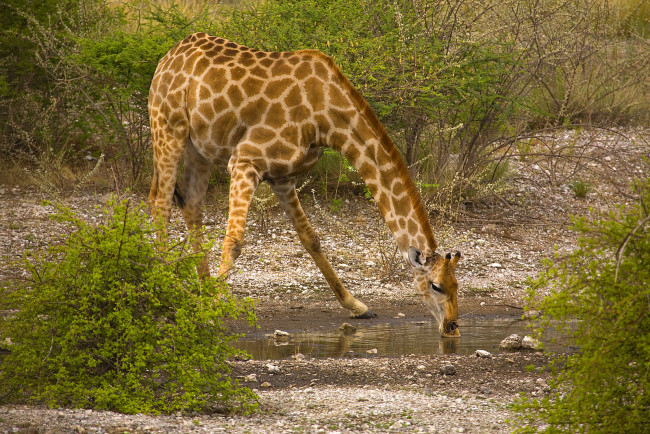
(244, 180)
(286, 194)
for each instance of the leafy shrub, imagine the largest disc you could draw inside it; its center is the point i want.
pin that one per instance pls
(93, 65)
(107, 319)
(600, 301)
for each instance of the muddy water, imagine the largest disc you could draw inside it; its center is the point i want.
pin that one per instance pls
(389, 339)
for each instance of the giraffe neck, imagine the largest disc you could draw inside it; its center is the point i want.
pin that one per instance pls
(371, 151)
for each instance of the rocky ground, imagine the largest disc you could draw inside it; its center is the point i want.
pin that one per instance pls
(502, 241)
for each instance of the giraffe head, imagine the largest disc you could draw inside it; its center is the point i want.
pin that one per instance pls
(436, 283)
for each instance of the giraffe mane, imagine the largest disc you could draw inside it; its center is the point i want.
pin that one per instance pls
(389, 146)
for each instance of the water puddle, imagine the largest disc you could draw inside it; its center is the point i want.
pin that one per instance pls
(418, 338)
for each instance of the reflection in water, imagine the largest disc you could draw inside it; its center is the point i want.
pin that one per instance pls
(419, 338)
(449, 345)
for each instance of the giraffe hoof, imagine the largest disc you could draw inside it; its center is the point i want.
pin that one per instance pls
(366, 315)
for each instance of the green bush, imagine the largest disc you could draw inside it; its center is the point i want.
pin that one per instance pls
(600, 299)
(107, 319)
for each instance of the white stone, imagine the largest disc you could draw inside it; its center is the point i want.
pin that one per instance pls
(512, 342)
(273, 369)
(531, 342)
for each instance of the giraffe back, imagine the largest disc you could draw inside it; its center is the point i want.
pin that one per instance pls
(271, 108)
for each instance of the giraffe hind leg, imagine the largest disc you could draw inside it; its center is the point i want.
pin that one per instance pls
(189, 197)
(167, 151)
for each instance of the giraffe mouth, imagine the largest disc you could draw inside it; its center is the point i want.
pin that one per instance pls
(450, 330)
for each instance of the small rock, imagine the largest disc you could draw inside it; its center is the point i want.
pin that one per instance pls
(348, 329)
(251, 378)
(266, 384)
(495, 265)
(281, 336)
(372, 351)
(489, 228)
(273, 369)
(512, 342)
(448, 369)
(400, 315)
(483, 354)
(531, 342)
(298, 356)
(420, 367)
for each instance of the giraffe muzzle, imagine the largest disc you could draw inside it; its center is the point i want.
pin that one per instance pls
(452, 326)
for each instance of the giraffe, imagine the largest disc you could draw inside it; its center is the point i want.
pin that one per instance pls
(267, 116)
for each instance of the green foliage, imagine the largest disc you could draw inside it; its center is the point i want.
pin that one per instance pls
(17, 64)
(92, 66)
(600, 300)
(108, 319)
(580, 188)
(336, 205)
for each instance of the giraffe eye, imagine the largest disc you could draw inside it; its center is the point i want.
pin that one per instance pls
(436, 288)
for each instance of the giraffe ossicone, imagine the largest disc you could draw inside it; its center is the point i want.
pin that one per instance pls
(266, 116)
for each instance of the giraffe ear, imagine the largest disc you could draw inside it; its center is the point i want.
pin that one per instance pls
(416, 258)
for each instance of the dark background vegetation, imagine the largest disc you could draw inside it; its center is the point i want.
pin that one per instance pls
(462, 85)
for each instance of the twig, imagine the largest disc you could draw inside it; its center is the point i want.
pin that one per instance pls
(619, 252)
(506, 305)
(50, 351)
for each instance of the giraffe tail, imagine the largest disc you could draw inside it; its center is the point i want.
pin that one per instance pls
(178, 198)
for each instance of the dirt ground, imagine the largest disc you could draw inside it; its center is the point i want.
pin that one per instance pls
(502, 240)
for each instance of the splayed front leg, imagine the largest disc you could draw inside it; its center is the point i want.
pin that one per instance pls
(286, 193)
